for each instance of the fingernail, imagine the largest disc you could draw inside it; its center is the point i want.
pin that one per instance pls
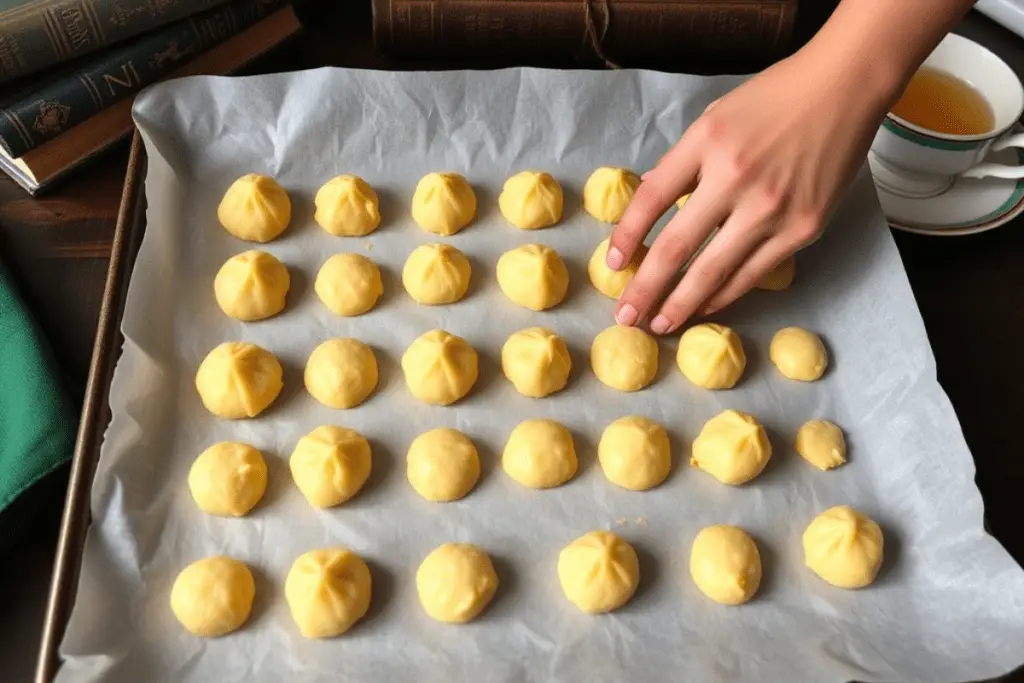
(626, 315)
(660, 324)
(615, 258)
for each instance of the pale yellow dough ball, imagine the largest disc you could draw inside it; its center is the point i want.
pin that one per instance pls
(624, 358)
(238, 380)
(347, 206)
(612, 283)
(725, 564)
(255, 208)
(608, 192)
(341, 373)
(436, 274)
(844, 547)
(780, 277)
(536, 361)
(711, 356)
(349, 284)
(798, 354)
(213, 596)
(540, 454)
(442, 465)
(327, 591)
(530, 200)
(251, 286)
(439, 367)
(228, 479)
(822, 444)
(330, 464)
(599, 572)
(455, 582)
(533, 276)
(443, 203)
(634, 453)
(732, 447)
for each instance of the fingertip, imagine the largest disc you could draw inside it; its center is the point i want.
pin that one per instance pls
(615, 258)
(662, 325)
(626, 315)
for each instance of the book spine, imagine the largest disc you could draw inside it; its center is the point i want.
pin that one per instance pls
(41, 115)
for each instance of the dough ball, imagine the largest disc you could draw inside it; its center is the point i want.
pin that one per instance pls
(843, 547)
(251, 286)
(238, 380)
(540, 454)
(711, 356)
(780, 277)
(624, 358)
(228, 479)
(442, 465)
(536, 361)
(255, 208)
(443, 203)
(439, 367)
(341, 373)
(610, 282)
(531, 200)
(436, 274)
(349, 284)
(330, 465)
(634, 453)
(346, 205)
(328, 591)
(732, 447)
(213, 596)
(725, 564)
(798, 354)
(682, 201)
(533, 276)
(455, 582)
(821, 443)
(599, 572)
(608, 192)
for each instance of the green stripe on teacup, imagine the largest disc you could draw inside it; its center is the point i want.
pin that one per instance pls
(927, 140)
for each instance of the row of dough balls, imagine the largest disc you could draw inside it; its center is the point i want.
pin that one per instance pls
(328, 590)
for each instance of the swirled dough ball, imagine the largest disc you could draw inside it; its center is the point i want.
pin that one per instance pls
(533, 276)
(251, 286)
(341, 373)
(634, 453)
(436, 274)
(238, 380)
(599, 572)
(608, 192)
(612, 283)
(732, 447)
(255, 208)
(213, 596)
(327, 591)
(442, 465)
(347, 206)
(843, 547)
(798, 354)
(349, 284)
(439, 367)
(624, 358)
(780, 277)
(228, 479)
(725, 564)
(711, 356)
(540, 454)
(330, 464)
(821, 443)
(443, 203)
(455, 582)
(536, 361)
(530, 200)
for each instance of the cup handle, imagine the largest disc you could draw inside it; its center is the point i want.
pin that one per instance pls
(989, 170)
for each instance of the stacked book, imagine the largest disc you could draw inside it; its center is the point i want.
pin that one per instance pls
(69, 69)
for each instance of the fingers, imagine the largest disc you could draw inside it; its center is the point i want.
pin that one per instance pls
(751, 272)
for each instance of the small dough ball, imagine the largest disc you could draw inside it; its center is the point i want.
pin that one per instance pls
(711, 356)
(608, 192)
(251, 286)
(624, 358)
(540, 454)
(455, 582)
(442, 465)
(843, 547)
(780, 277)
(439, 367)
(530, 200)
(255, 208)
(341, 373)
(798, 354)
(443, 203)
(634, 453)
(725, 564)
(347, 206)
(436, 274)
(610, 282)
(536, 361)
(327, 591)
(228, 479)
(349, 284)
(732, 447)
(330, 465)
(533, 276)
(213, 596)
(238, 380)
(821, 443)
(599, 572)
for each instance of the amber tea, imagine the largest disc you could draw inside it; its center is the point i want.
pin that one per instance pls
(941, 102)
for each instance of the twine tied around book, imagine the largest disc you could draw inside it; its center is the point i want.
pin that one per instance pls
(598, 28)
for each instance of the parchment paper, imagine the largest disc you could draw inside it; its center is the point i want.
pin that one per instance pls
(949, 604)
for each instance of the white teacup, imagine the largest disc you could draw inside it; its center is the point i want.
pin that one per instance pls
(916, 162)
